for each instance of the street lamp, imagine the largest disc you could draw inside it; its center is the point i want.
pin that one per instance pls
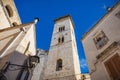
(32, 62)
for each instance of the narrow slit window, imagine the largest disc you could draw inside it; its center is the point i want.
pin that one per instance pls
(62, 39)
(58, 40)
(9, 10)
(59, 65)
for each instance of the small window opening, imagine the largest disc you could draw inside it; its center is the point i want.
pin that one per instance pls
(61, 29)
(62, 39)
(59, 65)
(58, 40)
(9, 10)
(14, 24)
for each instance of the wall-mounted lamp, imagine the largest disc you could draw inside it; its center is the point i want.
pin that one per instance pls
(33, 61)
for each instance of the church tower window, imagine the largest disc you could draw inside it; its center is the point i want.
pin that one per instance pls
(62, 39)
(61, 29)
(9, 10)
(59, 65)
(59, 41)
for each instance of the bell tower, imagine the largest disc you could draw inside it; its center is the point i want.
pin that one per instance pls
(63, 62)
(8, 14)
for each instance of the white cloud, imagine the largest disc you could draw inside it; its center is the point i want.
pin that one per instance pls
(83, 64)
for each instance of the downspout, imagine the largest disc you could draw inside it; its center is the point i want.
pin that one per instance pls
(12, 43)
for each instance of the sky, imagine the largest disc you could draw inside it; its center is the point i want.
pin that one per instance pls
(85, 14)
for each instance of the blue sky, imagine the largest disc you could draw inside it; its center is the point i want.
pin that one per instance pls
(85, 13)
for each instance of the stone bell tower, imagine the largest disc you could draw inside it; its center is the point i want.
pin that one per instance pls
(9, 16)
(63, 62)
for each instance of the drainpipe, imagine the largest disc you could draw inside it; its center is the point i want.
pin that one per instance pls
(12, 43)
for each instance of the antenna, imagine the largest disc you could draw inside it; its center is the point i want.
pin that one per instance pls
(106, 7)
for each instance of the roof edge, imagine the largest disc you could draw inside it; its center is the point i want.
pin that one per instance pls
(86, 33)
(68, 15)
(18, 26)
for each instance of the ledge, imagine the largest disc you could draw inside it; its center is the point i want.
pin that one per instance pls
(112, 46)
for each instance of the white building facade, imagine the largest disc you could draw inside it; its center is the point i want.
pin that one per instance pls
(17, 44)
(102, 46)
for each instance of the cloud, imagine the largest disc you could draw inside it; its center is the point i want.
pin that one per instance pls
(83, 64)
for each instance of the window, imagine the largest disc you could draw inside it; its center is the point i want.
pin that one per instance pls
(14, 24)
(61, 29)
(9, 10)
(118, 14)
(60, 40)
(59, 65)
(100, 39)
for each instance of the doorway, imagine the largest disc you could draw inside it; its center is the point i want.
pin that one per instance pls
(113, 67)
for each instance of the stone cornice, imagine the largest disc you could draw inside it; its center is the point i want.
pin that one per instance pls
(107, 50)
(64, 17)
